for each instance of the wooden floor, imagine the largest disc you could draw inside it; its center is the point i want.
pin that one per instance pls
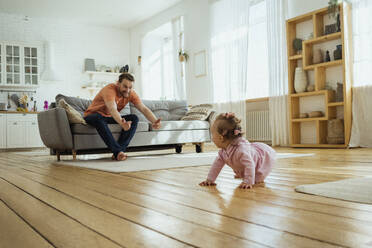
(42, 205)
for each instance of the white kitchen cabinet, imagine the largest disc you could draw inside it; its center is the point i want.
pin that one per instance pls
(15, 132)
(19, 64)
(32, 133)
(22, 131)
(2, 131)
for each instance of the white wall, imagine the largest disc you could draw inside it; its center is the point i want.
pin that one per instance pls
(72, 43)
(196, 17)
(299, 7)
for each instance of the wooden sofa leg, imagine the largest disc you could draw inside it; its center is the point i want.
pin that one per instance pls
(74, 154)
(58, 156)
(199, 147)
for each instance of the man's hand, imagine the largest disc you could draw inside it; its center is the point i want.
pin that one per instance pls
(156, 124)
(244, 185)
(126, 125)
(207, 183)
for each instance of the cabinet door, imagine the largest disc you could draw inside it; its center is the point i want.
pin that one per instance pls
(13, 64)
(2, 131)
(32, 134)
(31, 65)
(15, 133)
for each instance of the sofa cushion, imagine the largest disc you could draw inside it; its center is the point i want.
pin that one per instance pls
(166, 110)
(114, 128)
(198, 112)
(77, 103)
(73, 115)
(182, 125)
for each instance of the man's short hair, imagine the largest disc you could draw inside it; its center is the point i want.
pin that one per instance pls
(127, 76)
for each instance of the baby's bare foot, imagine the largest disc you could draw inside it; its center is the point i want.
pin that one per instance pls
(260, 184)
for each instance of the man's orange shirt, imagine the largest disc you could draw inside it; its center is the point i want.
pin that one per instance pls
(110, 93)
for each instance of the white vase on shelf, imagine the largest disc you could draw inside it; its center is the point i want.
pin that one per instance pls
(300, 80)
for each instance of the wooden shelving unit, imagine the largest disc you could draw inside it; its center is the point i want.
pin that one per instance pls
(320, 74)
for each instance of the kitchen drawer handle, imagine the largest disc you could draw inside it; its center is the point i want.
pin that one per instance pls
(33, 123)
(14, 123)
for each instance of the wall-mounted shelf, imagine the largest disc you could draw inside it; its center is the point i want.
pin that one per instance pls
(102, 73)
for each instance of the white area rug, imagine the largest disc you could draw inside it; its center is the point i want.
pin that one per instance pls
(355, 190)
(154, 162)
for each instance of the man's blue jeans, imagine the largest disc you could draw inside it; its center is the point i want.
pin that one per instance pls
(100, 123)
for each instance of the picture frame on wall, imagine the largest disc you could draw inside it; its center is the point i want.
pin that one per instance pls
(200, 63)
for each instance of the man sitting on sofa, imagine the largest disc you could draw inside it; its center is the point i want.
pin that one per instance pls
(105, 110)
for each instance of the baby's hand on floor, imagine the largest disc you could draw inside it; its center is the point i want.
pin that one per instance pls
(207, 183)
(244, 185)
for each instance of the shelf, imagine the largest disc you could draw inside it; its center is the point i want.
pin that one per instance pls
(312, 93)
(12, 86)
(325, 64)
(333, 104)
(320, 145)
(323, 118)
(296, 57)
(323, 38)
(102, 73)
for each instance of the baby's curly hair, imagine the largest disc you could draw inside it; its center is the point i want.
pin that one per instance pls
(228, 125)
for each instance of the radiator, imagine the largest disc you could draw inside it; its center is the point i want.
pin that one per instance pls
(258, 126)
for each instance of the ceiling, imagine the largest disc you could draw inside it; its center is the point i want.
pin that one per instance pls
(113, 13)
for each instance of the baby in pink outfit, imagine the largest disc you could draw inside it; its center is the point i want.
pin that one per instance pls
(250, 161)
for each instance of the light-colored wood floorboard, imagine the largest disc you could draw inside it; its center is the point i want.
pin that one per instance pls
(167, 208)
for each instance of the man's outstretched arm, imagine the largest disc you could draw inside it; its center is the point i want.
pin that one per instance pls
(149, 115)
(112, 107)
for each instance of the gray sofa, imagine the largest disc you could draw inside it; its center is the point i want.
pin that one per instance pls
(64, 138)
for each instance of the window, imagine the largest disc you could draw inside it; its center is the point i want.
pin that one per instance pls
(239, 50)
(162, 72)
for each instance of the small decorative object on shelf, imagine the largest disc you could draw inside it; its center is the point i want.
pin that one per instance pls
(340, 92)
(335, 131)
(338, 23)
(337, 54)
(46, 106)
(304, 115)
(297, 45)
(300, 80)
(310, 88)
(124, 69)
(89, 65)
(330, 29)
(318, 56)
(328, 57)
(316, 114)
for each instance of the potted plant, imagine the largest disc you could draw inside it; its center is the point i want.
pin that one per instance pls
(183, 56)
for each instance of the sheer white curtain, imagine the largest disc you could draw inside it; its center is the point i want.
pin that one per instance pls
(179, 67)
(361, 132)
(161, 69)
(278, 77)
(229, 55)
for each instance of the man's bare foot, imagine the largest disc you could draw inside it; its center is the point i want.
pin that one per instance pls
(121, 156)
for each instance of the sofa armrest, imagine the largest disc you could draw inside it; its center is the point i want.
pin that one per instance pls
(55, 129)
(212, 116)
